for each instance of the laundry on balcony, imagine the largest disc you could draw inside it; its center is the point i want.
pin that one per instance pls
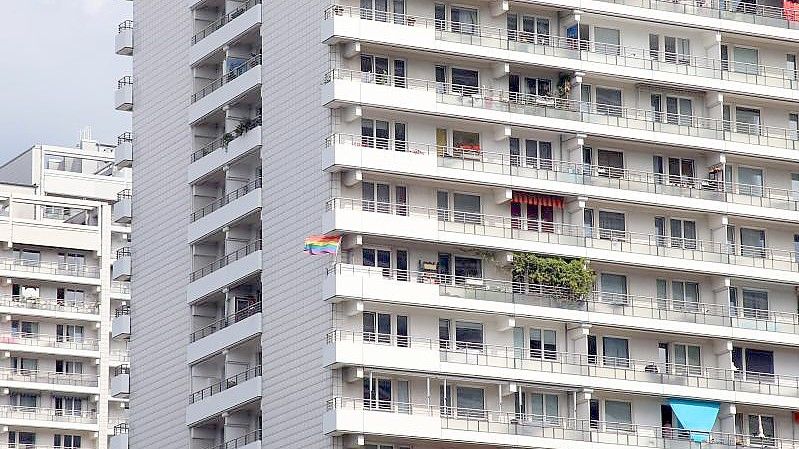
(537, 199)
(698, 417)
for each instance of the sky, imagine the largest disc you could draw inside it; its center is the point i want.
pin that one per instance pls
(58, 72)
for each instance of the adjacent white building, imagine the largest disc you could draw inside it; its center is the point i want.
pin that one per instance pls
(65, 217)
(445, 141)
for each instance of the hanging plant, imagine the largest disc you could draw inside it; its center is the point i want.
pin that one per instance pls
(572, 274)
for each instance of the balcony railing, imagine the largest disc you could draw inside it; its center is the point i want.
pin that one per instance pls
(123, 252)
(227, 199)
(226, 384)
(226, 78)
(119, 356)
(227, 260)
(240, 441)
(125, 25)
(125, 195)
(224, 20)
(578, 173)
(121, 429)
(480, 421)
(35, 376)
(50, 341)
(581, 364)
(580, 236)
(225, 322)
(60, 305)
(222, 142)
(572, 48)
(122, 311)
(125, 81)
(581, 111)
(48, 414)
(597, 302)
(122, 287)
(126, 137)
(57, 268)
(121, 369)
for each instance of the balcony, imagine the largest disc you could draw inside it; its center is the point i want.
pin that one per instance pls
(209, 157)
(72, 273)
(223, 211)
(508, 429)
(124, 94)
(345, 151)
(519, 47)
(121, 209)
(523, 364)
(557, 304)
(53, 344)
(251, 440)
(121, 267)
(16, 416)
(120, 325)
(567, 240)
(49, 307)
(347, 87)
(120, 290)
(225, 29)
(44, 380)
(119, 437)
(124, 39)
(225, 333)
(119, 357)
(230, 393)
(120, 382)
(226, 89)
(123, 154)
(225, 271)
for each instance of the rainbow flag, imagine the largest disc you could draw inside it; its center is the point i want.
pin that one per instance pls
(322, 244)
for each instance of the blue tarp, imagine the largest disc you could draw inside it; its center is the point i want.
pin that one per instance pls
(695, 415)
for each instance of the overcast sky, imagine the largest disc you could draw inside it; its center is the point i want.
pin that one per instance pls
(58, 72)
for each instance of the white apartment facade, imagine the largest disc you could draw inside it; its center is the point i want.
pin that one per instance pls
(656, 142)
(65, 221)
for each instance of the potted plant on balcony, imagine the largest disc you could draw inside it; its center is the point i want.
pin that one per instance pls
(227, 138)
(572, 277)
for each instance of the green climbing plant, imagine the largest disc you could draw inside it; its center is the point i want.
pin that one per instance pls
(571, 274)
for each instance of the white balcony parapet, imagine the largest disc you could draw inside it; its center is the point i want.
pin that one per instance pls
(51, 304)
(399, 419)
(572, 48)
(226, 384)
(227, 199)
(577, 173)
(225, 322)
(123, 153)
(224, 20)
(49, 341)
(583, 112)
(226, 78)
(47, 377)
(120, 325)
(48, 414)
(121, 268)
(119, 357)
(124, 94)
(227, 260)
(124, 38)
(579, 235)
(596, 302)
(581, 365)
(121, 210)
(120, 287)
(56, 268)
(119, 436)
(120, 382)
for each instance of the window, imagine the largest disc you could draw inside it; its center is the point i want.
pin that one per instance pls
(21, 440)
(687, 360)
(24, 366)
(682, 172)
(377, 325)
(540, 87)
(608, 101)
(677, 50)
(607, 41)
(403, 341)
(464, 82)
(761, 429)
(747, 121)
(515, 152)
(444, 333)
(69, 333)
(750, 181)
(753, 243)
(610, 163)
(618, 415)
(683, 233)
(679, 111)
(614, 288)
(465, 143)
(24, 329)
(375, 69)
(753, 364)
(66, 441)
(374, 134)
(468, 270)
(543, 344)
(468, 335)
(611, 225)
(654, 47)
(445, 400)
(745, 60)
(377, 393)
(69, 297)
(790, 67)
(471, 402)
(544, 408)
(376, 196)
(534, 29)
(466, 208)
(72, 262)
(68, 367)
(27, 257)
(464, 20)
(615, 352)
(685, 296)
(377, 258)
(24, 402)
(755, 303)
(538, 154)
(66, 406)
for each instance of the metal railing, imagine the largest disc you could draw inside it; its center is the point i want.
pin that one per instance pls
(26, 375)
(125, 25)
(61, 305)
(241, 441)
(123, 252)
(582, 111)
(125, 195)
(121, 369)
(556, 427)
(573, 48)
(225, 322)
(122, 311)
(580, 364)
(580, 236)
(224, 20)
(597, 302)
(122, 287)
(50, 341)
(579, 173)
(119, 356)
(125, 137)
(58, 268)
(227, 199)
(121, 428)
(221, 142)
(228, 383)
(226, 78)
(227, 260)
(47, 414)
(125, 81)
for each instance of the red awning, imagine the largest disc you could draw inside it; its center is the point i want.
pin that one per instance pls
(538, 199)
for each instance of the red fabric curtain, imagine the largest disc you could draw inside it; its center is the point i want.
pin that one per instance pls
(537, 199)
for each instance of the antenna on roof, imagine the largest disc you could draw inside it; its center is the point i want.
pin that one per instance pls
(86, 133)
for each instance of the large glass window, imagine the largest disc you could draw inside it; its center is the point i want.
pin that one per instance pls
(614, 288)
(544, 408)
(687, 359)
(611, 225)
(685, 296)
(608, 101)
(377, 393)
(543, 344)
(465, 81)
(747, 120)
(466, 208)
(753, 242)
(468, 270)
(745, 60)
(471, 402)
(66, 441)
(607, 41)
(611, 163)
(615, 352)
(750, 181)
(755, 304)
(618, 415)
(464, 20)
(468, 335)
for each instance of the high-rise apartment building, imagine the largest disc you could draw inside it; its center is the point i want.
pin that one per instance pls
(65, 217)
(563, 224)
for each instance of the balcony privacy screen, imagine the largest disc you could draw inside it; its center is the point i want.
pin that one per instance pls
(695, 415)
